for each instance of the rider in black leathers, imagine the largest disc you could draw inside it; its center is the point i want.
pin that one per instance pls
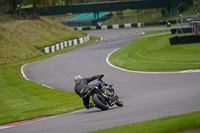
(81, 88)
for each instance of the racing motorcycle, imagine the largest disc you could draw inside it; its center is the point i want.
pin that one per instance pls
(104, 97)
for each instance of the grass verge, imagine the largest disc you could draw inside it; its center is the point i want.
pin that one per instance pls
(172, 124)
(22, 99)
(4, 18)
(21, 39)
(155, 54)
(156, 32)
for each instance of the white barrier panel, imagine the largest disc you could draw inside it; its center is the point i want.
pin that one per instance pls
(46, 50)
(62, 45)
(65, 43)
(70, 43)
(79, 28)
(93, 27)
(104, 27)
(116, 26)
(81, 40)
(53, 48)
(87, 38)
(127, 25)
(139, 25)
(75, 41)
(57, 47)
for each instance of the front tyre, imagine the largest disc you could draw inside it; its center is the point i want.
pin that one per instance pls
(100, 102)
(119, 102)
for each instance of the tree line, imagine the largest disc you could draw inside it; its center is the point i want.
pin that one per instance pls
(14, 6)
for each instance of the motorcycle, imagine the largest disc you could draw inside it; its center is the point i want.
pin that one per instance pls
(104, 97)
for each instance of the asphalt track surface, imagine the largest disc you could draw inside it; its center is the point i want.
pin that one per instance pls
(146, 96)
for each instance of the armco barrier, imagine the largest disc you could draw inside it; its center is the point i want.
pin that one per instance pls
(59, 46)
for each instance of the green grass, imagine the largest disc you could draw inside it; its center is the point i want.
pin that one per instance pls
(52, 17)
(4, 18)
(21, 39)
(27, 6)
(22, 99)
(172, 124)
(156, 32)
(155, 54)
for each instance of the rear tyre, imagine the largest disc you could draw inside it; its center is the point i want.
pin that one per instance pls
(100, 102)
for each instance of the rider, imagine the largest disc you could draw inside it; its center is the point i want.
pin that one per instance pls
(81, 88)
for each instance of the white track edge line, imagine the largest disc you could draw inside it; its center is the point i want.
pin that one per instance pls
(51, 117)
(22, 71)
(5, 127)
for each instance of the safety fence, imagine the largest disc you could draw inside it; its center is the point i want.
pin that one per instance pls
(119, 26)
(181, 30)
(62, 45)
(186, 25)
(104, 27)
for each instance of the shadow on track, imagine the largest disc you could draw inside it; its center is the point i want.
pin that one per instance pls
(95, 110)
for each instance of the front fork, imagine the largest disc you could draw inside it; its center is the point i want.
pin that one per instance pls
(111, 99)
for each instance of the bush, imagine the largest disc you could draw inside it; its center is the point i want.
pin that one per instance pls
(182, 7)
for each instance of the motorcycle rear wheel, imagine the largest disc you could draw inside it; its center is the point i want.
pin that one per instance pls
(100, 102)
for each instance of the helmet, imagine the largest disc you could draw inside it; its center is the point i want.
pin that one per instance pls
(77, 77)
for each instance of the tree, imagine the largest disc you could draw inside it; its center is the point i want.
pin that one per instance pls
(13, 5)
(36, 3)
(54, 2)
(2, 5)
(68, 1)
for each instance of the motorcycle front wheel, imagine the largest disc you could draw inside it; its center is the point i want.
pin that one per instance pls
(100, 102)
(119, 102)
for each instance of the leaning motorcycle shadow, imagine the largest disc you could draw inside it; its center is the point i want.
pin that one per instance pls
(96, 110)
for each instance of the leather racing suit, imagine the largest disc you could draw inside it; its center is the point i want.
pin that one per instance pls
(81, 87)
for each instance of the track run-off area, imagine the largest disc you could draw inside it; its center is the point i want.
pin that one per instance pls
(146, 96)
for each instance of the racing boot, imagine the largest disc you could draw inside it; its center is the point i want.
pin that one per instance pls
(92, 105)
